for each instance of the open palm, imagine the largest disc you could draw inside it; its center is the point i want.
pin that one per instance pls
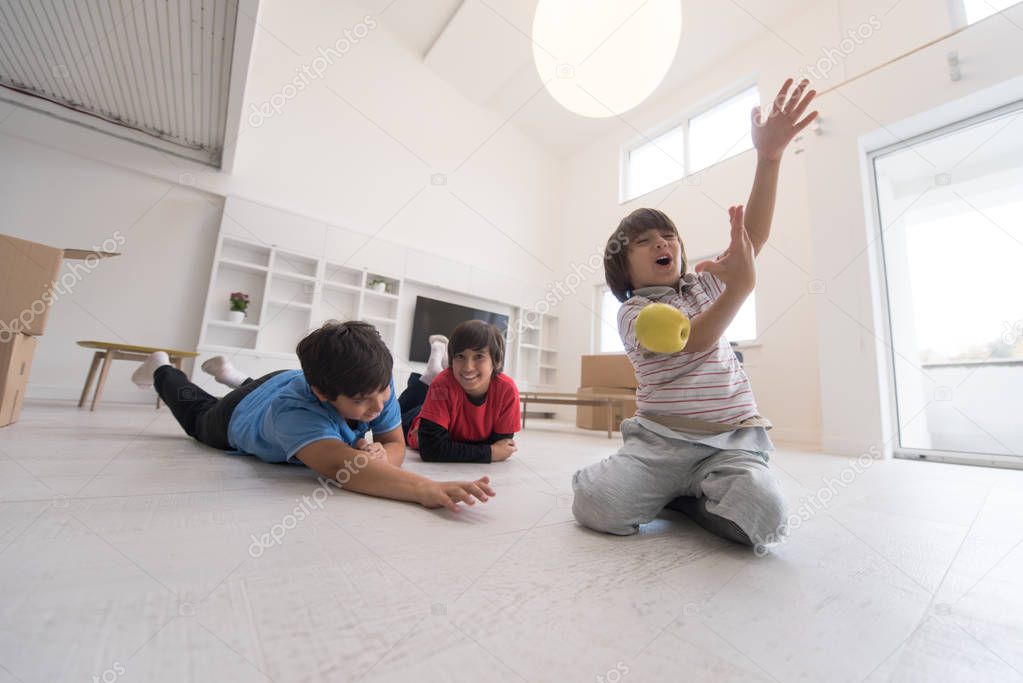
(772, 134)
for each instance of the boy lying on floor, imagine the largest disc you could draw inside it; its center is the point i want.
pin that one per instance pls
(463, 408)
(317, 416)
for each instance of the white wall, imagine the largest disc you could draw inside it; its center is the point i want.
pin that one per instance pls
(363, 156)
(784, 365)
(150, 295)
(906, 98)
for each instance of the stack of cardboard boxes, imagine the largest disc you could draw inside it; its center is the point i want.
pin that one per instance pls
(28, 287)
(606, 375)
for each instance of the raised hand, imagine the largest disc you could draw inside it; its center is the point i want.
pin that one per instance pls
(735, 267)
(773, 133)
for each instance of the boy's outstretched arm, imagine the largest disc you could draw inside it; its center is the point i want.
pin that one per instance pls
(376, 476)
(737, 270)
(771, 135)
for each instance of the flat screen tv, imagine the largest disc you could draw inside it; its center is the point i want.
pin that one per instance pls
(440, 317)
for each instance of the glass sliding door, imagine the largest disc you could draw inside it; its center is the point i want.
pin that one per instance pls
(950, 206)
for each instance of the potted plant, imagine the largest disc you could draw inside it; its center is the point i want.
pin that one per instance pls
(378, 285)
(239, 306)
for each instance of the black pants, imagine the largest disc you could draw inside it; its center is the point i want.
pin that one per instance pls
(203, 416)
(411, 401)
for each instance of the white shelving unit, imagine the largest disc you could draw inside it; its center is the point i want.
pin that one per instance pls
(536, 364)
(290, 294)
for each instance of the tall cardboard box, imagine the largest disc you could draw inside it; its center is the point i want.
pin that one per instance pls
(28, 282)
(595, 417)
(15, 364)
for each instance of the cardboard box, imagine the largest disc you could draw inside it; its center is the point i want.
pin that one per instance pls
(608, 370)
(595, 417)
(15, 364)
(28, 282)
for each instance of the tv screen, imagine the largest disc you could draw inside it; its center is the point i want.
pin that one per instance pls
(440, 317)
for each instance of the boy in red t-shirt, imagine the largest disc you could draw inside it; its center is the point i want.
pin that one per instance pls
(468, 412)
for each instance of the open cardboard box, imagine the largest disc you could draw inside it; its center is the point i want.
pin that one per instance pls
(30, 281)
(607, 370)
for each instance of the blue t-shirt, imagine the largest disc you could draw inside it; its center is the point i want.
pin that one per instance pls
(282, 415)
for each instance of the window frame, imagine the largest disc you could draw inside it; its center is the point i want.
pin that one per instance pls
(681, 120)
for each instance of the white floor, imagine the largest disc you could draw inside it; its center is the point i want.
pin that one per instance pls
(126, 554)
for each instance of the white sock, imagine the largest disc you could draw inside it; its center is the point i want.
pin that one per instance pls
(224, 372)
(143, 375)
(438, 357)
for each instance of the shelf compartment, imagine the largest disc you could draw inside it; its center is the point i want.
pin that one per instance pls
(230, 336)
(295, 265)
(337, 304)
(391, 285)
(337, 274)
(285, 289)
(230, 280)
(284, 328)
(245, 253)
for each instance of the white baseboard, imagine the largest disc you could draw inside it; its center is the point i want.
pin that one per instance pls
(50, 392)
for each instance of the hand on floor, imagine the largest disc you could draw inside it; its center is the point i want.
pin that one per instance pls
(449, 494)
(502, 450)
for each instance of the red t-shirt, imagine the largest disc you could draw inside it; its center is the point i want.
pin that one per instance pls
(448, 405)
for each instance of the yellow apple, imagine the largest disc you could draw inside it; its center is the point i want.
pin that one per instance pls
(662, 328)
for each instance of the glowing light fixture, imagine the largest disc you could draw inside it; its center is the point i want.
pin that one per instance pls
(599, 58)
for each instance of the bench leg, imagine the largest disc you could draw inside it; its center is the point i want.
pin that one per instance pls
(108, 360)
(96, 357)
(525, 407)
(610, 418)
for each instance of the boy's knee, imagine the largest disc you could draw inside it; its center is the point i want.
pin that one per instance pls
(772, 513)
(594, 507)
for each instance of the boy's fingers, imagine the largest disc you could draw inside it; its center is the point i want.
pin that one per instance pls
(754, 116)
(476, 491)
(712, 267)
(806, 122)
(779, 101)
(450, 504)
(484, 484)
(459, 495)
(801, 107)
(797, 94)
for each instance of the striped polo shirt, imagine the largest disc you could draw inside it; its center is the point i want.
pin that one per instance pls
(710, 385)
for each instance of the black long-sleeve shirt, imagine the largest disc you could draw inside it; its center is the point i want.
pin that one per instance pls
(436, 445)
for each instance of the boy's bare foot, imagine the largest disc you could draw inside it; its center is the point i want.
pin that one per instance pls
(223, 371)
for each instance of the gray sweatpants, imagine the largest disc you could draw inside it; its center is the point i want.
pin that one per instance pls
(729, 492)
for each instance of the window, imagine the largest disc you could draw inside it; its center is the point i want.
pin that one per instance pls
(742, 329)
(721, 132)
(952, 244)
(711, 135)
(975, 10)
(607, 337)
(656, 163)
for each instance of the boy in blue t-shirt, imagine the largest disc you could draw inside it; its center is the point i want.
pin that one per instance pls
(317, 416)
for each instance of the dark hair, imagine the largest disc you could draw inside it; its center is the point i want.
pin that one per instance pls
(616, 263)
(476, 334)
(347, 359)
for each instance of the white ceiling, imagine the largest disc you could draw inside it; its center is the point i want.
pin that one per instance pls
(483, 48)
(160, 67)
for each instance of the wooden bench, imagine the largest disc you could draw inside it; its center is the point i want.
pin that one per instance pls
(108, 352)
(566, 399)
